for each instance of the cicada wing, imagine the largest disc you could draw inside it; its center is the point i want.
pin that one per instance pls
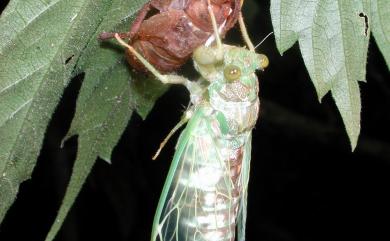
(242, 213)
(177, 162)
(197, 199)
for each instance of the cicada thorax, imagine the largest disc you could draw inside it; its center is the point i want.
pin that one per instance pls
(168, 38)
(239, 116)
(233, 89)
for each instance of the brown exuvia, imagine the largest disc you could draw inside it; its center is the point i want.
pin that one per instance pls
(168, 38)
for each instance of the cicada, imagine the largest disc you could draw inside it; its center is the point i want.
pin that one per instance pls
(205, 194)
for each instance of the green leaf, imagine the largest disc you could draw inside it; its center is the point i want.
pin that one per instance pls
(107, 98)
(37, 39)
(45, 44)
(147, 92)
(381, 26)
(284, 18)
(333, 43)
(99, 127)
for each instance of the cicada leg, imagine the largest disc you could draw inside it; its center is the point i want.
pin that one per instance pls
(244, 33)
(164, 78)
(210, 55)
(134, 27)
(243, 29)
(187, 115)
(219, 54)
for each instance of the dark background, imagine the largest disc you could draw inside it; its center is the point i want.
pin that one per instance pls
(305, 182)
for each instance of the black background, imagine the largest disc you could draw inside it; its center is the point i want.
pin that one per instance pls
(305, 182)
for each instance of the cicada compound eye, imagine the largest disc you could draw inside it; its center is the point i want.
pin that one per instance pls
(264, 61)
(232, 73)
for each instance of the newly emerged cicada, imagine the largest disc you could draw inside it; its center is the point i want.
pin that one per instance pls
(205, 194)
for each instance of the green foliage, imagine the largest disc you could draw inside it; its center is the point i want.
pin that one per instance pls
(333, 42)
(37, 39)
(381, 26)
(44, 44)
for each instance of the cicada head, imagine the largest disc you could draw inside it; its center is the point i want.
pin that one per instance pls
(247, 61)
(236, 63)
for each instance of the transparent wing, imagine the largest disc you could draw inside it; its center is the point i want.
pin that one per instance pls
(160, 221)
(199, 201)
(241, 219)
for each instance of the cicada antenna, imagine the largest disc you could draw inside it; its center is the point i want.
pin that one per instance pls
(257, 45)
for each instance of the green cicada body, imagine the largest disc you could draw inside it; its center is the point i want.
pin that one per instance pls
(204, 196)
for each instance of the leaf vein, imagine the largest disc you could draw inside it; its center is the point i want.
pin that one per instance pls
(20, 135)
(22, 79)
